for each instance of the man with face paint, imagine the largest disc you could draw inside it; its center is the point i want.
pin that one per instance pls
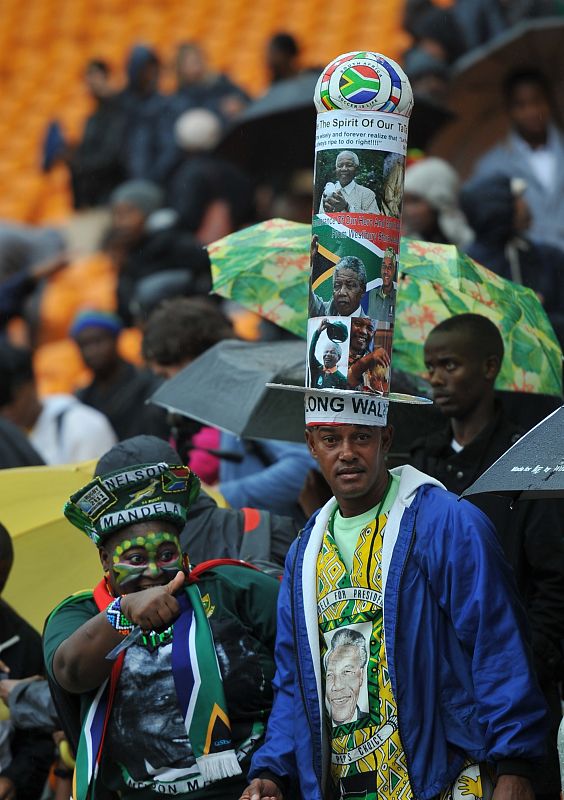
(185, 703)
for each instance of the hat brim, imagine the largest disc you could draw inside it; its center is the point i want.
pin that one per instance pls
(347, 407)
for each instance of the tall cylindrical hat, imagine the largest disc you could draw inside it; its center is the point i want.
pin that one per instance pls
(364, 101)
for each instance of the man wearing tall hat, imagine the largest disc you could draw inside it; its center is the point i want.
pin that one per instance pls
(397, 567)
(403, 667)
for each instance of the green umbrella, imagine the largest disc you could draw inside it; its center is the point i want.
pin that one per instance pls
(265, 268)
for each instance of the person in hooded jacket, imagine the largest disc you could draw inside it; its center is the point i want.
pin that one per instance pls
(148, 131)
(500, 217)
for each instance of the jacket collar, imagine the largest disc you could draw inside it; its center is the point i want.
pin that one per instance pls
(410, 481)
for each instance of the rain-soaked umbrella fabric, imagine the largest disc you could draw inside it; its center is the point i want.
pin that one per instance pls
(532, 468)
(265, 268)
(475, 93)
(275, 134)
(226, 387)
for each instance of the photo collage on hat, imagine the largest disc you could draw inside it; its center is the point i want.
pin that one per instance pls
(358, 187)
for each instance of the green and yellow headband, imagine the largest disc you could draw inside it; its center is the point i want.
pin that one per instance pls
(137, 494)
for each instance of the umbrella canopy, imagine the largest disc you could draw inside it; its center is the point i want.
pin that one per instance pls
(266, 269)
(52, 559)
(439, 281)
(532, 468)
(276, 133)
(226, 387)
(475, 93)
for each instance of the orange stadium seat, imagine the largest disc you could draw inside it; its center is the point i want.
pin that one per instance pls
(44, 46)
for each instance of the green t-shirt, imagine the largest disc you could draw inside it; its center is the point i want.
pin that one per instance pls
(346, 529)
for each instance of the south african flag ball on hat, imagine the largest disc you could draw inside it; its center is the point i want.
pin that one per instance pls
(363, 81)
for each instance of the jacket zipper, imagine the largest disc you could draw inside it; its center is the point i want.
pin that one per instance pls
(395, 633)
(297, 652)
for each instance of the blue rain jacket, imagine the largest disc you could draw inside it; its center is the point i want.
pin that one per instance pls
(457, 649)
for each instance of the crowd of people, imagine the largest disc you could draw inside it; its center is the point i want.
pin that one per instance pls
(202, 535)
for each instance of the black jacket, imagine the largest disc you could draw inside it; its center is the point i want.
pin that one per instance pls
(97, 165)
(531, 532)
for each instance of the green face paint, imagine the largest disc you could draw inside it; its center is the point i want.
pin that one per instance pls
(150, 555)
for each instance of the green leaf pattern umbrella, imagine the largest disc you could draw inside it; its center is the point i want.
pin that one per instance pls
(265, 268)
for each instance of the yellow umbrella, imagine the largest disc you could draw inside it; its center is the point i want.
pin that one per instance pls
(52, 559)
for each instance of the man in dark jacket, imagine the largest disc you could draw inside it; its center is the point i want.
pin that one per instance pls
(148, 130)
(118, 389)
(463, 356)
(151, 247)
(97, 162)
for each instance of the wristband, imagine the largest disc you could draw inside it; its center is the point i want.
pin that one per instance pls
(116, 619)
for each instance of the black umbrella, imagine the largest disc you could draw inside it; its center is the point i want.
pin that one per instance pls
(532, 468)
(275, 135)
(475, 93)
(226, 388)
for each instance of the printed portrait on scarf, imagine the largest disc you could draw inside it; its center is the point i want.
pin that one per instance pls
(346, 684)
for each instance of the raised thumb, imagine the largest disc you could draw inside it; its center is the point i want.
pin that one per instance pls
(176, 583)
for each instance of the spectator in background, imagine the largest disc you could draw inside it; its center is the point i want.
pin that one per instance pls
(282, 53)
(534, 152)
(198, 86)
(178, 331)
(60, 428)
(212, 197)
(499, 215)
(15, 448)
(436, 32)
(148, 136)
(150, 245)
(19, 286)
(25, 246)
(119, 389)
(480, 21)
(266, 475)
(96, 163)
(428, 75)
(430, 204)
(25, 755)
(463, 356)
